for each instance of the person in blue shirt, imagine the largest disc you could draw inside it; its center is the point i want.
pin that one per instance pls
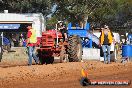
(6, 44)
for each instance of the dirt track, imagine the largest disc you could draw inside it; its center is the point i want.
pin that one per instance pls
(62, 75)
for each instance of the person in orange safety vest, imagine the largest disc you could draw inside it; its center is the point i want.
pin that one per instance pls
(31, 42)
(106, 40)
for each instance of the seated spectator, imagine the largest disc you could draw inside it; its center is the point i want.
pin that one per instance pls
(6, 44)
(15, 40)
(22, 40)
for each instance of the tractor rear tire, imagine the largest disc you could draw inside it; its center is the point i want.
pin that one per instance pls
(74, 49)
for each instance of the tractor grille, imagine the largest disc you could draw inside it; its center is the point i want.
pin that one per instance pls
(47, 40)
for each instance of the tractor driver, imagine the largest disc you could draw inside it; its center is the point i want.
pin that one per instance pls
(61, 28)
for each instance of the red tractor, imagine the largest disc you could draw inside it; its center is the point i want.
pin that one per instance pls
(51, 46)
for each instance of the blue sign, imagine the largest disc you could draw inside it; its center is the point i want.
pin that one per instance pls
(9, 26)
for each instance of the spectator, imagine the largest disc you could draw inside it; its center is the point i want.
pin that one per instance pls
(6, 44)
(21, 40)
(106, 39)
(15, 41)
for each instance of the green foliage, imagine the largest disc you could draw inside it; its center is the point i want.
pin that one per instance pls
(26, 6)
(92, 10)
(73, 10)
(50, 24)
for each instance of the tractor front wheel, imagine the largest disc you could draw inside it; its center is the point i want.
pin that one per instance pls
(45, 57)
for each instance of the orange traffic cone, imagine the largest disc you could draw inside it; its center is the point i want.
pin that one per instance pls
(84, 80)
(84, 73)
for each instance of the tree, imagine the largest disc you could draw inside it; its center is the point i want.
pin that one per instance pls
(78, 10)
(27, 6)
(101, 11)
